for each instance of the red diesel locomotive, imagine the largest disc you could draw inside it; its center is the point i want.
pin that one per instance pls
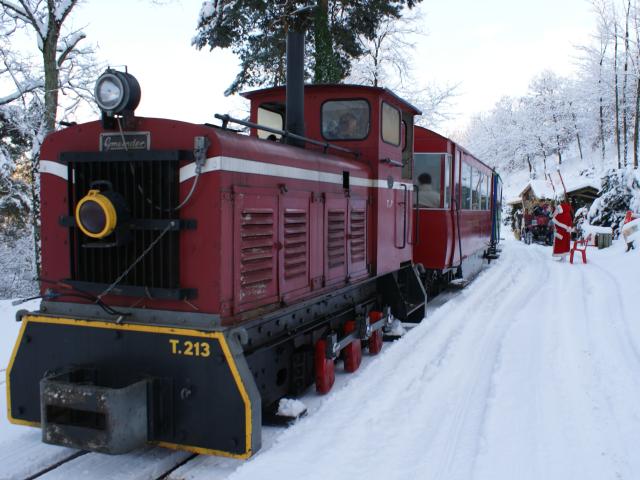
(192, 275)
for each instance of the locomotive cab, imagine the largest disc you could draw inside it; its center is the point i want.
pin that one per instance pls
(372, 126)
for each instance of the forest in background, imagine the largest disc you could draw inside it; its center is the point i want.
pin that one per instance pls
(587, 123)
(592, 116)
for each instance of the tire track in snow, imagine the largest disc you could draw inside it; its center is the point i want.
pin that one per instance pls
(612, 350)
(627, 339)
(491, 282)
(416, 394)
(476, 397)
(607, 417)
(553, 411)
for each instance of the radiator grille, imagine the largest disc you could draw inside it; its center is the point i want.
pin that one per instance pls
(150, 189)
(336, 238)
(256, 251)
(295, 243)
(357, 235)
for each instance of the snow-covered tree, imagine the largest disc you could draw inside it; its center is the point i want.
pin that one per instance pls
(46, 84)
(256, 31)
(386, 58)
(620, 188)
(14, 193)
(387, 61)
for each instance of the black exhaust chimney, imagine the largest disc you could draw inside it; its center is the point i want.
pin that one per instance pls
(295, 87)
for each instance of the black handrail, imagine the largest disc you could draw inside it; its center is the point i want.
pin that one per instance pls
(455, 200)
(406, 211)
(393, 163)
(325, 145)
(417, 210)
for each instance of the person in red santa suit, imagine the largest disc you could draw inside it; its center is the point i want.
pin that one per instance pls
(563, 226)
(631, 226)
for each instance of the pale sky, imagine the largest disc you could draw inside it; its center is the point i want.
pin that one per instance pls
(491, 48)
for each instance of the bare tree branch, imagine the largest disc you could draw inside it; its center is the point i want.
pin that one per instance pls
(70, 43)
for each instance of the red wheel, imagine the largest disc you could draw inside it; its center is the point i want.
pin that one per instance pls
(375, 341)
(325, 369)
(353, 352)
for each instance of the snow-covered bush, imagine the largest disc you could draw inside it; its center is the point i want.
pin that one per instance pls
(17, 266)
(579, 219)
(633, 181)
(14, 192)
(620, 192)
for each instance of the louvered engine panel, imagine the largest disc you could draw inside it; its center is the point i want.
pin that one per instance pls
(336, 239)
(357, 237)
(294, 259)
(255, 259)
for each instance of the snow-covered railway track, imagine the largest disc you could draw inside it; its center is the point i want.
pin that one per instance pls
(150, 463)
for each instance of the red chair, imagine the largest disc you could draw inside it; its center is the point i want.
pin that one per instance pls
(580, 246)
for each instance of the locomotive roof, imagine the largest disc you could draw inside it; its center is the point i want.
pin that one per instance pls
(363, 88)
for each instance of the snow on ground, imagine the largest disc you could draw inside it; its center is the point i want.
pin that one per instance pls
(531, 372)
(21, 452)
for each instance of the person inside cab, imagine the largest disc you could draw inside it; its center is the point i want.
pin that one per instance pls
(429, 196)
(348, 126)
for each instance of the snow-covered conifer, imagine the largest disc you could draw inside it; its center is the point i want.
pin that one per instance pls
(256, 30)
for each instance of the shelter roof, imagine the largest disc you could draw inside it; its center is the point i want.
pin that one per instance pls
(543, 189)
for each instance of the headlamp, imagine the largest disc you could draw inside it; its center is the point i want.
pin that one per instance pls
(117, 92)
(96, 215)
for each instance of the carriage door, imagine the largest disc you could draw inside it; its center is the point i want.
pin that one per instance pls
(456, 199)
(255, 247)
(402, 203)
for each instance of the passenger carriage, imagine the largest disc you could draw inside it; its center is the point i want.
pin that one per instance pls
(457, 215)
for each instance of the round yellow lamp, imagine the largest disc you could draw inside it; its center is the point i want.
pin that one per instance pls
(96, 215)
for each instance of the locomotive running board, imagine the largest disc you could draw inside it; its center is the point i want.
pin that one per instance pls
(196, 386)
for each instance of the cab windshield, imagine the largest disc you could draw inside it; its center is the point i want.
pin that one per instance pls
(345, 119)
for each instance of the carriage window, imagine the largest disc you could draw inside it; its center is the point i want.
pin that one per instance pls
(456, 180)
(447, 181)
(483, 191)
(477, 183)
(270, 119)
(345, 119)
(390, 124)
(427, 169)
(466, 186)
(487, 192)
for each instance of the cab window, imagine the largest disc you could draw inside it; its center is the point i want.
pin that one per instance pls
(390, 124)
(427, 170)
(345, 119)
(270, 119)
